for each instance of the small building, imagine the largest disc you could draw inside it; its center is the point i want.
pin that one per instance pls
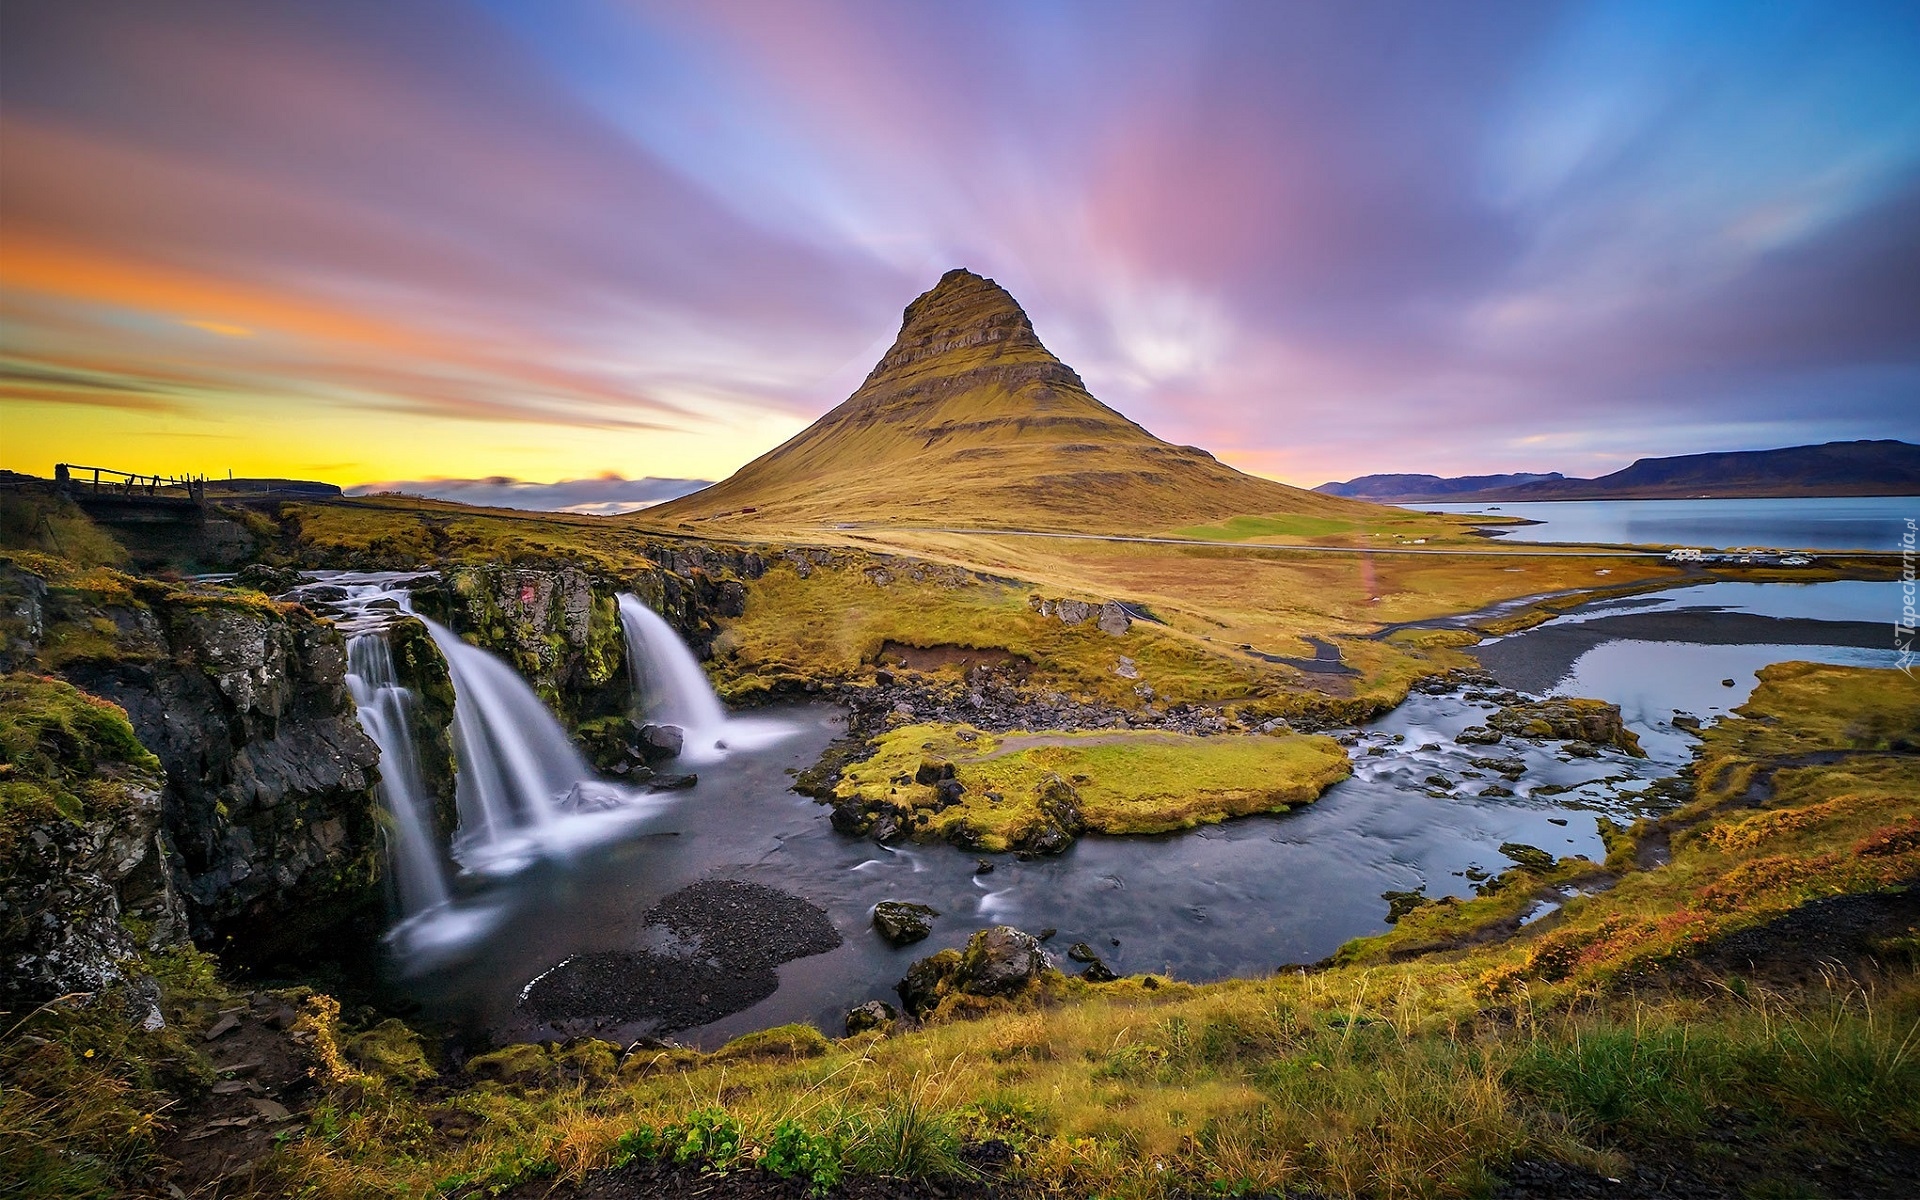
(1685, 554)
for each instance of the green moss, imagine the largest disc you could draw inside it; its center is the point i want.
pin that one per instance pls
(782, 1041)
(526, 1064)
(63, 753)
(391, 1051)
(1121, 782)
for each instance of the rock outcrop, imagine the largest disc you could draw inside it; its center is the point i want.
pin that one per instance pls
(85, 887)
(1001, 963)
(267, 812)
(1592, 722)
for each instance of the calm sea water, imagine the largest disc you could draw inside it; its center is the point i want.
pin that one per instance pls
(1820, 523)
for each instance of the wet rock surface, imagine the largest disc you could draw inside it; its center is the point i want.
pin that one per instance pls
(903, 923)
(999, 962)
(716, 946)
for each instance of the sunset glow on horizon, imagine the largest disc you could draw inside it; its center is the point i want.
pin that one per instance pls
(463, 239)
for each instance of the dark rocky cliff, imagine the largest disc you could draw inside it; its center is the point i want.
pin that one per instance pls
(267, 811)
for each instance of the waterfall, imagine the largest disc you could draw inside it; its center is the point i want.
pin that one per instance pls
(384, 709)
(672, 689)
(516, 764)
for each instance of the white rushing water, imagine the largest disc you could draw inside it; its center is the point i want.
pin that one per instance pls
(673, 690)
(516, 765)
(384, 708)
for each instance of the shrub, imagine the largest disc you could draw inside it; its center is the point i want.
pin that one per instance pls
(793, 1153)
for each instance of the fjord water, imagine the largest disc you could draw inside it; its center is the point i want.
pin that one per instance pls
(1800, 523)
(1240, 898)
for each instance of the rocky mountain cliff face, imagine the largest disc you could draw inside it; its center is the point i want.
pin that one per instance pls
(968, 420)
(267, 811)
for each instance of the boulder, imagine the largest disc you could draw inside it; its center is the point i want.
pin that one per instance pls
(886, 829)
(260, 577)
(1080, 952)
(1477, 735)
(657, 743)
(926, 981)
(1000, 961)
(997, 963)
(1114, 619)
(947, 793)
(1073, 612)
(849, 818)
(931, 772)
(903, 922)
(1098, 972)
(873, 1016)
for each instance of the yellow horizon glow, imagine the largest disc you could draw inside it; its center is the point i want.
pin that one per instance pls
(318, 442)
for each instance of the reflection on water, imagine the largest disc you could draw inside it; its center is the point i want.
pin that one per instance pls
(1236, 899)
(1805, 523)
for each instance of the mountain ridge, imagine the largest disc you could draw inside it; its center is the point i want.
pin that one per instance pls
(969, 420)
(1866, 467)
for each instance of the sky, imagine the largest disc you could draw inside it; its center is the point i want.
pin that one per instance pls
(615, 244)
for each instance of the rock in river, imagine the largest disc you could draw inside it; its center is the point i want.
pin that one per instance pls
(902, 922)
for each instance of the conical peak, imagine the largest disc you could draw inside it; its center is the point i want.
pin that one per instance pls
(964, 312)
(959, 296)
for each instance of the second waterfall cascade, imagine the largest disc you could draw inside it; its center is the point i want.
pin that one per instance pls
(673, 690)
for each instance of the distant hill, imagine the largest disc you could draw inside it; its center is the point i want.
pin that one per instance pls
(1394, 488)
(968, 421)
(1864, 468)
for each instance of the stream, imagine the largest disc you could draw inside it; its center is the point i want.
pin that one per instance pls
(1241, 898)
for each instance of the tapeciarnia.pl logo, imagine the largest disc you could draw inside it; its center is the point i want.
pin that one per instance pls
(1903, 628)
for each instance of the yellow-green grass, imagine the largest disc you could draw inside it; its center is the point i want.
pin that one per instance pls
(1125, 782)
(403, 532)
(835, 622)
(1383, 528)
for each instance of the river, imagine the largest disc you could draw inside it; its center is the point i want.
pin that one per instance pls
(1236, 899)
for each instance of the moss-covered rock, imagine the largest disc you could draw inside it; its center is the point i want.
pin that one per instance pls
(269, 816)
(522, 1064)
(391, 1051)
(782, 1041)
(1594, 722)
(84, 884)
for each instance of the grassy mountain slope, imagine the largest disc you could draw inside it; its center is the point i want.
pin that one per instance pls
(969, 421)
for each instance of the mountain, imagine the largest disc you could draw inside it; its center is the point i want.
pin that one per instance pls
(969, 422)
(1864, 468)
(1394, 488)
